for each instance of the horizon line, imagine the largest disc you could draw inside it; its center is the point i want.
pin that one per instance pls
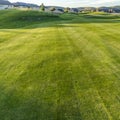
(68, 6)
(71, 4)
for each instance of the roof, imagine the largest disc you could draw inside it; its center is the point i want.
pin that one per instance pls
(5, 2)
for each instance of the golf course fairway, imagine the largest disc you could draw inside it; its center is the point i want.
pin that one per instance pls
(59, 67)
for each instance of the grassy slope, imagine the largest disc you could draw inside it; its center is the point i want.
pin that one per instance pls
(66, 70)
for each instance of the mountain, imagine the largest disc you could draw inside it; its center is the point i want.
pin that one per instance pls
(25, 4)
(86, 8)
(116, 8)
(57, 7)
(4, 2)
(79, 9)
(113, 8)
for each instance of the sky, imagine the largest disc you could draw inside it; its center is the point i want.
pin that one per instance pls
(72, 3)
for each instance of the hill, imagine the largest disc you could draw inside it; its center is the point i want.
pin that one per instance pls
(18, 18)
(115, 9)
(4, 2)
(24, 4)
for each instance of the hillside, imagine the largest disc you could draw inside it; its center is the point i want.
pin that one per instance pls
(59, 67)
(18, 19)
(4, 2)
(24, 4)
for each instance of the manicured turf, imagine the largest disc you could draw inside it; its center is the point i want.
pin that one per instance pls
(64, 67)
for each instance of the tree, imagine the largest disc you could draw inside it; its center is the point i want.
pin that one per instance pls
(67, 9)
(42, 7)
(97, 9)
(52, 9)
(110, 10)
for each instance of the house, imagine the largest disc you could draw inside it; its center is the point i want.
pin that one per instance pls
(114, 9)
(56, 11)
(4, 4)
(73, 10)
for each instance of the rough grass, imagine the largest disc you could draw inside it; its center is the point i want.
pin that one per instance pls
(68, 69)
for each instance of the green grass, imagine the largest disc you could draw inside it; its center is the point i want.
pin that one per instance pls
(59, 67)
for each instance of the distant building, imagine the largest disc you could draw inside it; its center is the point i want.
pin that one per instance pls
(115, 9)
(73, 10)
(4, 4)
(57, 10)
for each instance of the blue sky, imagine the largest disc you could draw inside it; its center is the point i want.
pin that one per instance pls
(73, 3)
